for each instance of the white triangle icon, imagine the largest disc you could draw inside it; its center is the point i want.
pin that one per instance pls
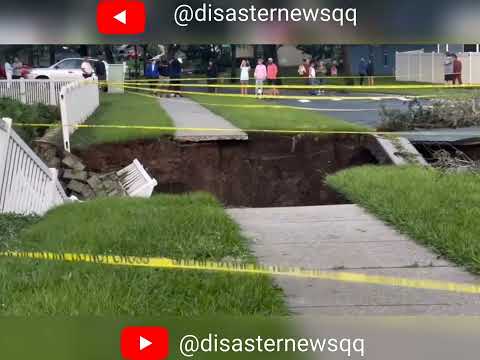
(122, 17)
(144, 343)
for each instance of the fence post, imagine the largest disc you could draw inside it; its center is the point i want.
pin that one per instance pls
(5, 129)
(419, 79)
(23, 92)
(433, 67)
(408, 68)
(53, 95)
(64, 116)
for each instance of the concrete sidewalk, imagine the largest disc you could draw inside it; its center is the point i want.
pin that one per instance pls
(186, 113)
(346, 238)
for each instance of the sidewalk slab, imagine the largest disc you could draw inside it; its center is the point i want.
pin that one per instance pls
(347, 238)
(188, 114)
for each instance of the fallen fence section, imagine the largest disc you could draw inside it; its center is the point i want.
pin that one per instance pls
(78, 100)
(31, 92)
(27, 185)
(135, 180)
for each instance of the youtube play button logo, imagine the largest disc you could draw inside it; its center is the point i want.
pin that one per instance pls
(121, 17)
(144, 343)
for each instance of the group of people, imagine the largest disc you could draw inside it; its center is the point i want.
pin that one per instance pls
(315, 72)
(366, 69)
(166, 73)
(263, 74)
(13, 69)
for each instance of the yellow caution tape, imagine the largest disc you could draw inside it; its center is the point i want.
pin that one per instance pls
(223, 78)
(273, 131)
(278, 97)
(306, 87)
(173, 128)
(209, 266)
(261, 106)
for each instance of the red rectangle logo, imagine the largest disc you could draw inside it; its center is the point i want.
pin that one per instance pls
(144, 343)
(121, 17)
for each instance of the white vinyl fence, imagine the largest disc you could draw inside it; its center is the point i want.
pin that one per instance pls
(78, 100)
(30, 92)
(418, 66)
(27, 185)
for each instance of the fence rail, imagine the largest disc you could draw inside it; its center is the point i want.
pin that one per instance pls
(78, 100)
(30, 92)
(27, 185)
(418, 66)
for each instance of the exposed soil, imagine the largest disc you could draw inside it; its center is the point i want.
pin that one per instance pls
(265, 171)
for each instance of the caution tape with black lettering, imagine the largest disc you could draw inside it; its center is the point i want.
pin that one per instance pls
(209, 266)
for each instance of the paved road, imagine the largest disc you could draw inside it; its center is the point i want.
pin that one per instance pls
(186, 113)
(362, 112)
(346, 237)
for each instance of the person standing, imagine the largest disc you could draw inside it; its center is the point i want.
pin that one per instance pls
(322, 72)
(175, 71)
(8, 71)
(101, 71)
(303, 69)
(334, 69)
(244, 76)
(371, 72)
(87, 69)
(312, 77)
(272, 76)
(212, 75)
(17, 68)
(457, 70)
(164, 76)
(152, 74)
(260, 76)
(362, 70)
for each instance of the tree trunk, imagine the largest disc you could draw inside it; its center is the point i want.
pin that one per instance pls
(51, 51)
(108, 54)
(233, 54)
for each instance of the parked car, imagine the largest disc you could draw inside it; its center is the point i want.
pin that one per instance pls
(66, 69)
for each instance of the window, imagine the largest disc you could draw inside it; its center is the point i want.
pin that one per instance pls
(470, 48)
(69, 64)
(385, 58)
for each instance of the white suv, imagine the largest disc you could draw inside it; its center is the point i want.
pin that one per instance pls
(66, 69)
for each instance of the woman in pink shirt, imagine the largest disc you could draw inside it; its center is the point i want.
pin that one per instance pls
(260, 76)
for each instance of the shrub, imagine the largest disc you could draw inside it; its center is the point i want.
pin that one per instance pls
(440, 114)
(29, 114)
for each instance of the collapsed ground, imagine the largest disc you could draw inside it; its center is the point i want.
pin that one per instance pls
(196, 227)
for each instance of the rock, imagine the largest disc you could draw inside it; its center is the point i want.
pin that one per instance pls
(95, 183)
(72, 162)
(75, 175)
(82, 189)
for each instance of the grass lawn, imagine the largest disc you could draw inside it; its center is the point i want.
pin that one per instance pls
(191, 226)
(272, 118)
(439, 210)
(122, 109)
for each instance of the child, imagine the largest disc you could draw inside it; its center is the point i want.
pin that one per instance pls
(334, 69)
(244, 76)
(260, 76)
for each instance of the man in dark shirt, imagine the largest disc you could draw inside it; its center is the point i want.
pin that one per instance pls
(212, 74)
